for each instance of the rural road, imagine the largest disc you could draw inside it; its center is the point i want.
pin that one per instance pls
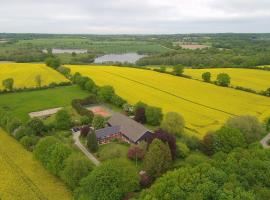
(78, 143)
(265, 140)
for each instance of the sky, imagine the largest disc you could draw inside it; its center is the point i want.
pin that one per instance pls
(134, 16)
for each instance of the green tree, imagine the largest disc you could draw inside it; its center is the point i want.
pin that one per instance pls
(153, 115)
(112, 180)
(38, 80)
(158, 159)
(106, 93)
(13, 124)
(90, 85)
(85, 120)
(37, 126)
(182, 150)
(248, 125)
(29, 142)
(8, 84)
(92, 143)
(98, 122)
(206, 76)
(63, 120)
(226, 139)
(200, 182)
(173, 123)
(76, 167)
(223, 79)
(44, 148)
(59, 153)
(53, 62)
(178, 70)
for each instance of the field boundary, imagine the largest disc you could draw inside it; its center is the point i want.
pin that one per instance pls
(174, 95)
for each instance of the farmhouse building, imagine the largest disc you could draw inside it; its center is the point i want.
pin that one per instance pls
(123, 128)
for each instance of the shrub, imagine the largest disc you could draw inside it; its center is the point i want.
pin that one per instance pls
(13, 124)
(140, 115)
(84, 131)
(29, 142)
(135, 153)
(23, 131)
(118, 101)
(98, 122)
(207, 144)
(166, 138)
(106, 93)
(85, 120)
(37, 126)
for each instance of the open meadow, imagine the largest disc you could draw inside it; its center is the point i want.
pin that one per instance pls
(205, 107)
(24, 74)
(21, 103)
(24, 177)
(257, 80)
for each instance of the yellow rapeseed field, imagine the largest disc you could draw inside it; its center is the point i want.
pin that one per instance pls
(23, 178)
(24, 74)
(204, 106)
(249, 78)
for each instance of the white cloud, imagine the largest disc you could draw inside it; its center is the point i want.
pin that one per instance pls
(134, 16)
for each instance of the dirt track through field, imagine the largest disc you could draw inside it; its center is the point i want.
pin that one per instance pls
(174, 95)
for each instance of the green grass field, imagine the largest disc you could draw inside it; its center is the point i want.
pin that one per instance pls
(23, 178)
(20, 104)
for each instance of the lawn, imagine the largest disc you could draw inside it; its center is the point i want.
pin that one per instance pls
(24, 74)
(205, 107)
(112, 150)
(257, 80)
(21, 103)
(23, 178)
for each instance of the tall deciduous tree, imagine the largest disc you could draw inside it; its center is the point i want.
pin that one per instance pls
(206, 76)
(112, 180)
(76, 167)
(248, 125)
(63, 120)
(173, 123)
(153, 115)
(226, 139)
(158, 159)
(223, 79)
(178, 70)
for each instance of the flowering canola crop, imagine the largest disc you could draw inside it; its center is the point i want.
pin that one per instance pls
(24, 74)
(204, 106)
(23, 178)
(255, 79)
